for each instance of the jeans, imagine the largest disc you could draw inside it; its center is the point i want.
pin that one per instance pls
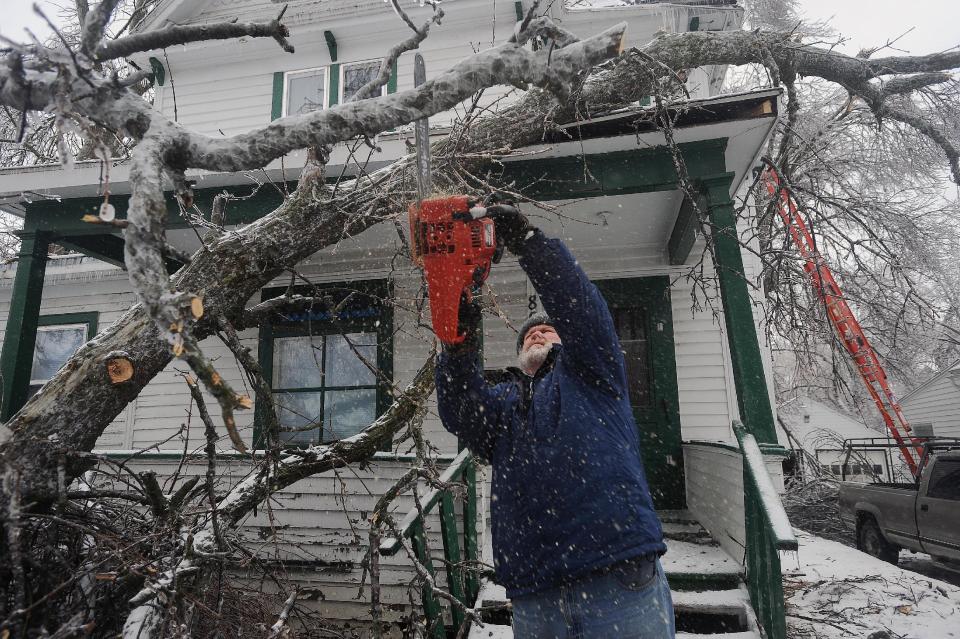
(630, 600)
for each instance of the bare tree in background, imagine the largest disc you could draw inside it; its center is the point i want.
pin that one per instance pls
(141, 560)
(878, 200)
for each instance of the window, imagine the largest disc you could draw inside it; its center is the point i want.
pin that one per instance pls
(329, 375)
(323, 388)
(945, 480)
(304, 91)
(631, 327)
(58, 337)
(355, 75)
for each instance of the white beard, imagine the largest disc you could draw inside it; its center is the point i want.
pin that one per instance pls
(533, 358)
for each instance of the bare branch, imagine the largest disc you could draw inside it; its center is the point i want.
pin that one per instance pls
(95, 25)
(373, 87)
(177, 34)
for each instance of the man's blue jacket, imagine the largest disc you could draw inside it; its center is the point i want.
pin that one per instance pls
(569, 493)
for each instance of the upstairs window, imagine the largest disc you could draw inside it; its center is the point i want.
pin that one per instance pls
(307, 90)
(355, 75)
(304, 91)
(58, 338)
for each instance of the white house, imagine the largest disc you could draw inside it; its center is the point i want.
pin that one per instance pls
(820, 430)
(936, 402)
(633, 230)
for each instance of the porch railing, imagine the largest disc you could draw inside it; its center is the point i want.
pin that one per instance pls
(768, 532)
(463, 584)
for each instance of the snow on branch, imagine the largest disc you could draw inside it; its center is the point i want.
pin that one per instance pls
(506, 64)
(177, 34)
(268, 479)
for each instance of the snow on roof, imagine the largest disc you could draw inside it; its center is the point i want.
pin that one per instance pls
(953, 368)
(812, 422)
(853, 595)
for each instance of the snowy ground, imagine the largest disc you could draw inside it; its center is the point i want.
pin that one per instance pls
(925, 565)
(836, 592)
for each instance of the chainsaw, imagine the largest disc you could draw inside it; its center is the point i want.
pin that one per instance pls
(451, 239)
(455, 246)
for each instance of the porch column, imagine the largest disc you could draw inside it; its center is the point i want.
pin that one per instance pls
(21, 334)
(749, 379)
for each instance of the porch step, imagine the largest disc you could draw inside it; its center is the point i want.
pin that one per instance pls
(692, 532)
(720, 614)
(677, 517)
(699, 566)
(706, 584)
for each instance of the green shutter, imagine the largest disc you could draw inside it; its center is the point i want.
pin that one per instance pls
(277, 108)
(392, 82)
(333, 86)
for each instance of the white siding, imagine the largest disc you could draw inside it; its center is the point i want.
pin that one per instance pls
(72, 286)
(225, 87)
(937, 402)
(707, 399)
(714, 485)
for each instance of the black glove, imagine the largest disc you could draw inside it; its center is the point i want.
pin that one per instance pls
(469, 323)
(512, 227)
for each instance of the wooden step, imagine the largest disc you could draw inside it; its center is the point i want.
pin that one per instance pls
(692, 532)
(695, 566)
(676, 517)
(749, 634)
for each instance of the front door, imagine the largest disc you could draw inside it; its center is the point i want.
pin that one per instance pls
(644, 322)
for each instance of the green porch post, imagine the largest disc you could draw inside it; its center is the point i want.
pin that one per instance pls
(749, 379)
(21, 334)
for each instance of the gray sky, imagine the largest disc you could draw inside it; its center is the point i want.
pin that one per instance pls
(866, 22)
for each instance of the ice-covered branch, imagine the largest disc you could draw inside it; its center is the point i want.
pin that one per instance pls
(169, 36)
(268, 479)
(94, 25)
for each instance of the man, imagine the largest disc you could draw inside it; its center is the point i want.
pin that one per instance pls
(576, 540)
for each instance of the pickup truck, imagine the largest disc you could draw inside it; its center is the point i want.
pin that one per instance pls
(923, 516)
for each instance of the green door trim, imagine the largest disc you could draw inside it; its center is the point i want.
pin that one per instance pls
(665, 462)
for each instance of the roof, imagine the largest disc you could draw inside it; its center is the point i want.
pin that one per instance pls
(953, 370)
(618, 130)
(810, 434)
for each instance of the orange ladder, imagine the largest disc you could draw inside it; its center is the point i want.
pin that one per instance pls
(844, 321)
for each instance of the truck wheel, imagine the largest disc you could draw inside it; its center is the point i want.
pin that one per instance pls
(870, 540)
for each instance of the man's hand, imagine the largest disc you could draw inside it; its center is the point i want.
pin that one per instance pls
(469, 325)
(511, 226)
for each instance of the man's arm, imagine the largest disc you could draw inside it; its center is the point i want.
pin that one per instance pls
(579, 312)
(469, 407)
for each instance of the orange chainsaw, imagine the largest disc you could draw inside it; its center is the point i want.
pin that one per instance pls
(455, 246)
(451, 239)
